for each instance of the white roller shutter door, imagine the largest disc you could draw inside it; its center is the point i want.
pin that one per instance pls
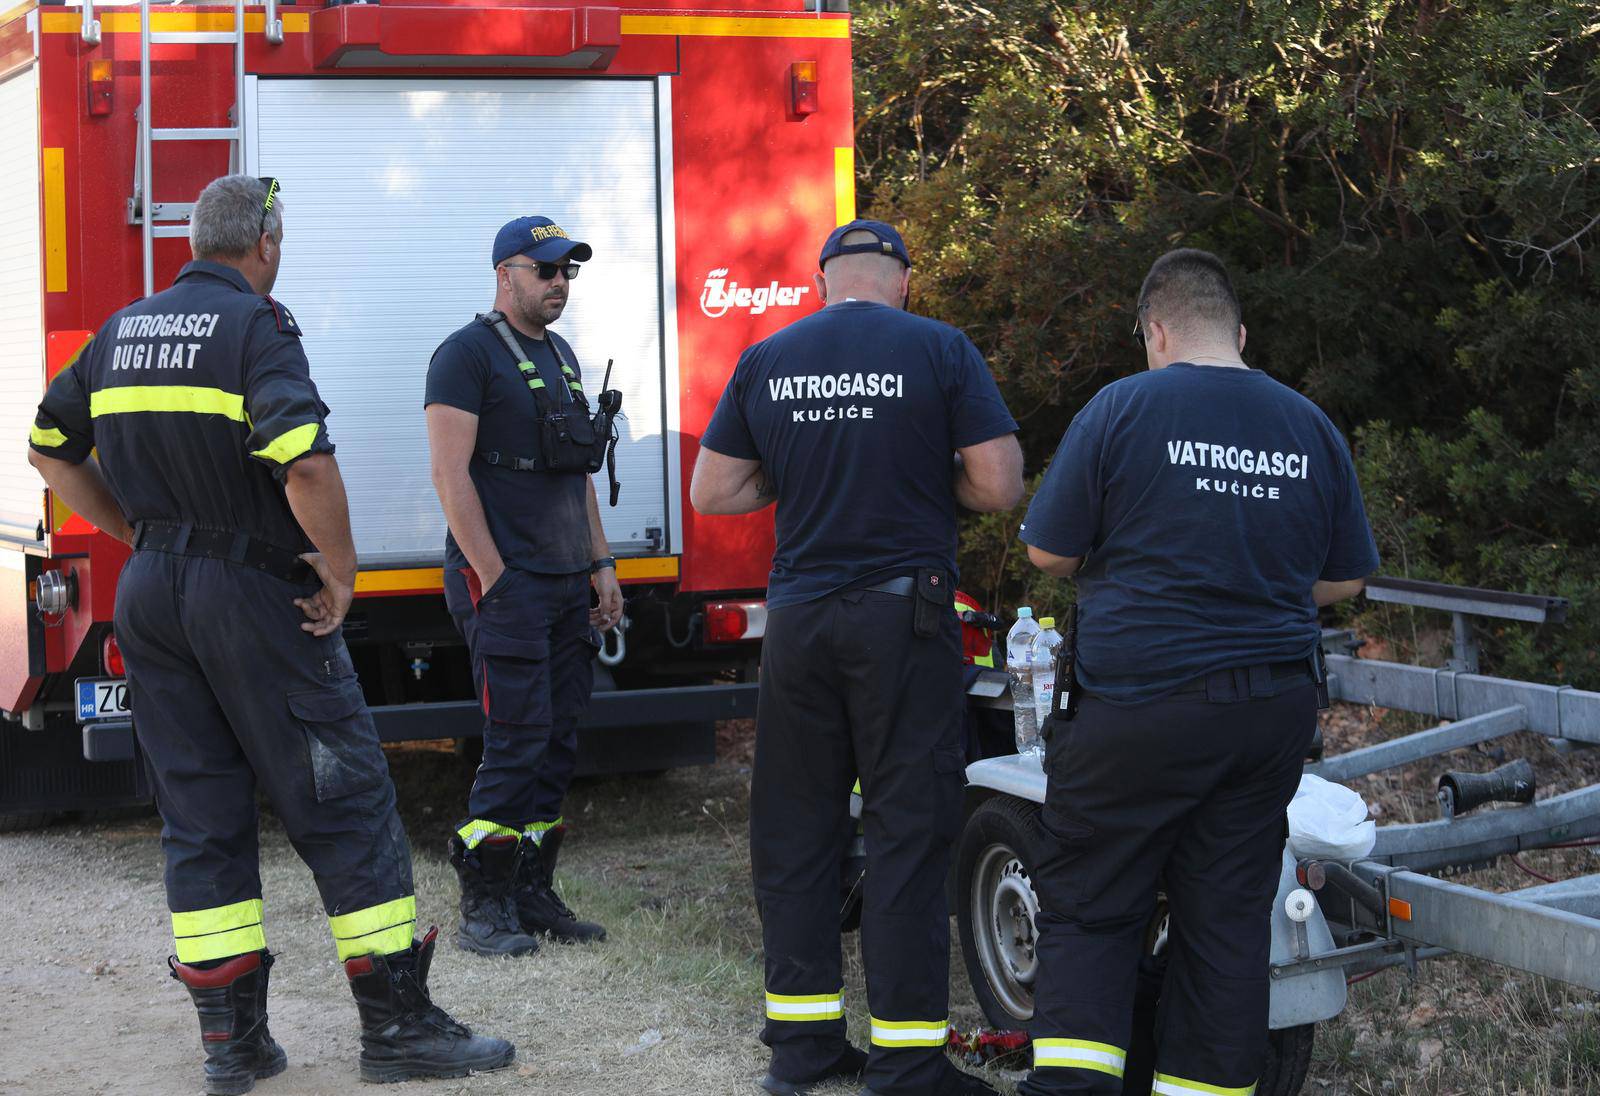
(21, 303)
(393, 191)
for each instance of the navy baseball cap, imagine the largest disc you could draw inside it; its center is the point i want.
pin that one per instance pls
(889, 242)
(539, 238)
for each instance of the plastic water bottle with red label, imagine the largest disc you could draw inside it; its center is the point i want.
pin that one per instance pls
(1042, 656)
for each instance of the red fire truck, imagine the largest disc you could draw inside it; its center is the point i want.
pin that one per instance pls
(703, 153)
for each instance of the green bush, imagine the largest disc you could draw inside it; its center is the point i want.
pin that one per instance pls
(1408, 194)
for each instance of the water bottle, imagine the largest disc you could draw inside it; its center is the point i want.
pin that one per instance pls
(1043, 657)
(1019, 642)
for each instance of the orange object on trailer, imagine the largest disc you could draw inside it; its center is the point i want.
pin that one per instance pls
(704, 152)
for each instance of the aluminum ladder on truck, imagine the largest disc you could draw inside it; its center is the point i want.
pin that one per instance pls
(164, 219)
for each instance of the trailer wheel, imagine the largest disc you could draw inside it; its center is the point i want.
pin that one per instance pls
(18, 823)
(995, 911)
(996, 906)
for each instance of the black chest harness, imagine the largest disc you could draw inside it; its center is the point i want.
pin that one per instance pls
(566, 440)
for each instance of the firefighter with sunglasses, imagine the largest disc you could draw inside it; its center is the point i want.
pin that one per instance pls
(514, 441)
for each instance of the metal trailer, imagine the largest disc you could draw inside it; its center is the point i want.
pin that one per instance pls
(702, 147)
(1335, 919)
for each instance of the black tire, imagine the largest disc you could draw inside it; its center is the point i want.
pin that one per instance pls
(21, 823)
(1002, 841)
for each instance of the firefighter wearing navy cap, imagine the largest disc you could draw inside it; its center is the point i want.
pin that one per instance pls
(214, 463)
(524, 548)
(867, 426)
(1206, 511)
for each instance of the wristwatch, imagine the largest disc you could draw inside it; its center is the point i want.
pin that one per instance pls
(602, 563)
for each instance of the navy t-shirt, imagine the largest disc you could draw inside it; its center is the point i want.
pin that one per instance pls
(1208, 501)
(539, 520)
(855, 414)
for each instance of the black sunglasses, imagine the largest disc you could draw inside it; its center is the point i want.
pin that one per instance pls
(1138, 326)
(266, 206)
(547, 271)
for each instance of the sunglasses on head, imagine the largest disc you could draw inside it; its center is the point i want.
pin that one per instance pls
(547, 271)
(266, 207)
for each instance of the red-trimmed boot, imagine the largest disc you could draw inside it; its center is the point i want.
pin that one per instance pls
(232, 1002)
(403, 1033)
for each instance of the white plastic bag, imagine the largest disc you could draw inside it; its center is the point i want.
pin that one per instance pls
(1329, 821)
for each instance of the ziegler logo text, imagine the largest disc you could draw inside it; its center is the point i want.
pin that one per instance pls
(720, 294)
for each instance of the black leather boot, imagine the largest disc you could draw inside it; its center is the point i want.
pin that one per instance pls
(489, 874)
(848, 1068)
(232, 1001)
(403, 1033)
(539, 908)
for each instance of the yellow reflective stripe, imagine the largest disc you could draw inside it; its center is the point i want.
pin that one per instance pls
(50, 438)
(1168, 1085)
(476, 830)
(535, 831)
(806, 1006)
(290, 444)
(166, 397)
(221, 945)
(376, 930)
(910, 1033)
(1079, 1054)
(219, 932)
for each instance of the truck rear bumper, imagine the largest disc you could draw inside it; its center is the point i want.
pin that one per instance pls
(626, 730)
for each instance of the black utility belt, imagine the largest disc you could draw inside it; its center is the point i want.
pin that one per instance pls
(184, 538)
(931, 595)
(1244, 682)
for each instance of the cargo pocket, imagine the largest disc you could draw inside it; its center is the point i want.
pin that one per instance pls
(949, 787)
(949, 759)
(516, 677)
(341, 739)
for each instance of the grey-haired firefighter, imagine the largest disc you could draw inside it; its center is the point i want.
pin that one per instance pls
(214, 463)
(513, 441)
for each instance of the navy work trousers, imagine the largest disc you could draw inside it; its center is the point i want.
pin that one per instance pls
(1187, 794)
(848, 690)
(533, 654)
(229, 696)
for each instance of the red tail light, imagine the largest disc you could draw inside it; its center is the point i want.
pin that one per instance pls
(111, 658)
(803, 87)
(734, 621)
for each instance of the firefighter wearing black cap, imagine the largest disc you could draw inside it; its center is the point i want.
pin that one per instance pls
(1207, 511)
(214, 463)
(513, 439)
(867, 425)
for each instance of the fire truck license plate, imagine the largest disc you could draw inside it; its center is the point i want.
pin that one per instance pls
(102, 698)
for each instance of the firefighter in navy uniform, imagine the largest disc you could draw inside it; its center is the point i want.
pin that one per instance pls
(513, 440)
(214, 463)
(867, 425)
(1207, 511)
